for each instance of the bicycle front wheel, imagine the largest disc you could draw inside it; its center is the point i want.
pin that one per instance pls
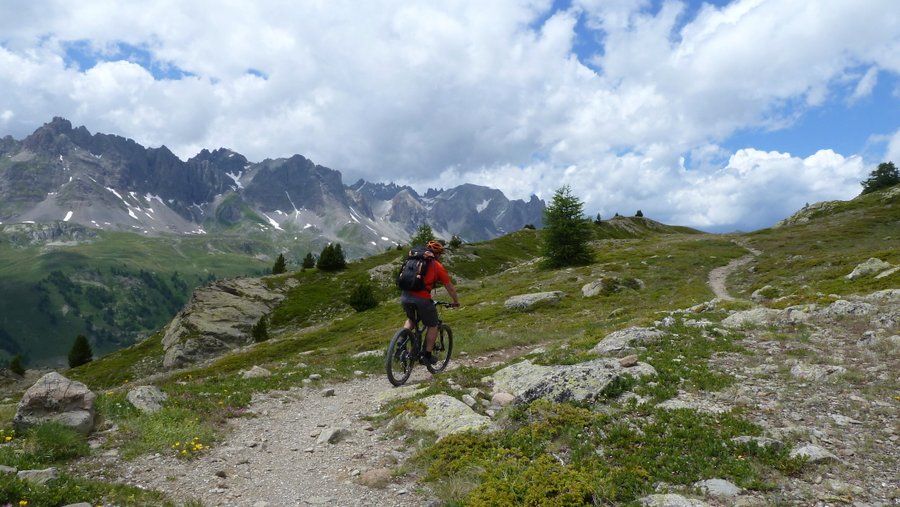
(398, 362)
(443, 346)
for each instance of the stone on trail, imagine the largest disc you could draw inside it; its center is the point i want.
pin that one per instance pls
(257, 372)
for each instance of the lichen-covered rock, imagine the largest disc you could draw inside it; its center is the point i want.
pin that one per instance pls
(528, 301)
(813, 454)
(623, 342)
(445, 415)
(217, 319)
(868, 268)
(611, 284)
(670, 500)
(815, 372)
(256, 372)
(519, 377)
(147, 399)
(589, 381)
(754, 317)
(54, 398)
(843, 308)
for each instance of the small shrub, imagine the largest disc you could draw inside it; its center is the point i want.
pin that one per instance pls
(362, 297)
(260, 330)
(15, 365)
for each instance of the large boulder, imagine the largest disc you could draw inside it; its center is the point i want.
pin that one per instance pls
(54, 398)
(584, 382)
(217, 319)
(623, 342)
(528, 301)
(589, 381)
(445, 415)
(868, 268)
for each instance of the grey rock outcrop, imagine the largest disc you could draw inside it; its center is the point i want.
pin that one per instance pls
(256, 372)
(868, 268)
(611, 284)
(623, 342)
(754, 317)
(670, 500)
(147, 399)
(813, 454)
(58, 399)
(38, 476)
(589, 381)
(217, 319)
(718, 488)
(445, 415)
(528, 301)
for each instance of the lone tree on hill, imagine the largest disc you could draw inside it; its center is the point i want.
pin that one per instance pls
(639, 213)
(455, 241)
(566, 232)
(332, 258)
(279, 267)
(309, 261)
(886, 175)
(423, 235)
(81, 352)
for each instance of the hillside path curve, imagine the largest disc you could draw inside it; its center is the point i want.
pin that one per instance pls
(719, 276)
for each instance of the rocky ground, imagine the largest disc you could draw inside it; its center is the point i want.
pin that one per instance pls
(822, 380)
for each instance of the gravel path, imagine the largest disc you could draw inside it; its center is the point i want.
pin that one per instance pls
(718, 276)
(279, 459)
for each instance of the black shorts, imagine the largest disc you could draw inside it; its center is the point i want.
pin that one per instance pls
(425, 309)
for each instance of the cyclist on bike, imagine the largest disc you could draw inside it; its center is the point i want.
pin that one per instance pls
(419, 301)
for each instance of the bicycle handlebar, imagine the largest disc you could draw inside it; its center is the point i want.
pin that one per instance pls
(444, 303)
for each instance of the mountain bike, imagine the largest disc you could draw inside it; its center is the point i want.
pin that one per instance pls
(408, 346)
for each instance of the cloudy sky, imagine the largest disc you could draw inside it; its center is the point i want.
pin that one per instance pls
(719, 115)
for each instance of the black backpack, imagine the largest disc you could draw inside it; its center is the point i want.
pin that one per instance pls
(412, 274)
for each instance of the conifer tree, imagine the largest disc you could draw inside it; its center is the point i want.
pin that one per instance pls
(280, 266)
(639, 213)
(566, 232)
(455, 241)
(423, 235)
(309, 261)
(81, 352)
(331, 258)
(886, 175)
(260, 330)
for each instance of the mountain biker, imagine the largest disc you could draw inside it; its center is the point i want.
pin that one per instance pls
(419, 301)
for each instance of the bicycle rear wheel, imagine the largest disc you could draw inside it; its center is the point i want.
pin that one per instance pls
(398, 361)
(443, 347)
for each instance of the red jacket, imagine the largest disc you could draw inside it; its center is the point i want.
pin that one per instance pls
(436, 273)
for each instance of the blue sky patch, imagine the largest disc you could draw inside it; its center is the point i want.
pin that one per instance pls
(83, 55)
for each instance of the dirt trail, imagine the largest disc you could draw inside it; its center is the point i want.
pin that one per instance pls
(718, 276)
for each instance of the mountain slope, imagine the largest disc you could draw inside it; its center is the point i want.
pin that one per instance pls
(109, 182)
(729, 400)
